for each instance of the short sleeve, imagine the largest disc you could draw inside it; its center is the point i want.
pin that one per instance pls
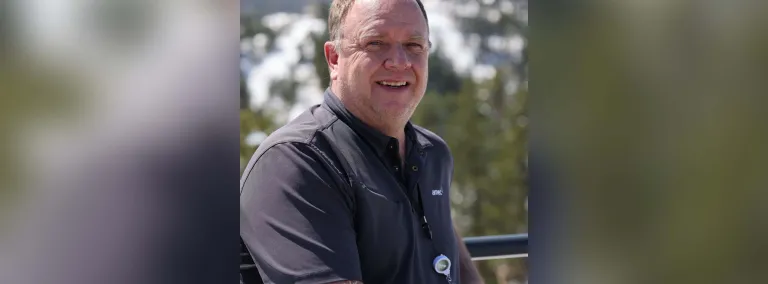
(296, 220)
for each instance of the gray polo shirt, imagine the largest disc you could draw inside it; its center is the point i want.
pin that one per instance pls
(325, 198)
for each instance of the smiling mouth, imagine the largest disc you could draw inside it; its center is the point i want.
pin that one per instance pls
(393, 84)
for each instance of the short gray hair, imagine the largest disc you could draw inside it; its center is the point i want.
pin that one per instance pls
(338, 12)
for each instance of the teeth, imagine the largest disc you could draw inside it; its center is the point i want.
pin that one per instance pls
(391, 83)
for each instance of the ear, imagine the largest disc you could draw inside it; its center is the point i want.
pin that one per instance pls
(332, 57)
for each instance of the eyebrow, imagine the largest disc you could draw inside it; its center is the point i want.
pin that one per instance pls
(376, 34)
(417, 37)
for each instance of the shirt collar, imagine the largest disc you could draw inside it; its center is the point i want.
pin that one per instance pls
(378, 140)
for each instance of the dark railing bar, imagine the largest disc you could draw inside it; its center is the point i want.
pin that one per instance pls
(500, 246)
(524, 255)
(480, 248)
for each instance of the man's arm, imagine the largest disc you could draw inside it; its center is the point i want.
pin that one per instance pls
(468, 273)
(296, 218)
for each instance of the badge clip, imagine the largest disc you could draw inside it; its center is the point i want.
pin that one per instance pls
(442, 265)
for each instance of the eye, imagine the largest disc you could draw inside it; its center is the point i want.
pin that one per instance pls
(374, 45)
(415, 46)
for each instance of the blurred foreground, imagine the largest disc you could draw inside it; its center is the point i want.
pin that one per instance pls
(120, 129)
(649, 142)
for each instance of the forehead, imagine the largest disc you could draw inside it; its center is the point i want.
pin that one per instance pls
(384, 16)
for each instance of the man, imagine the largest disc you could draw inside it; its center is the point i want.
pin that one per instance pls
(351, 191)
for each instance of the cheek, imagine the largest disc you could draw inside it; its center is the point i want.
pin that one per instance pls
(419, 64)
(422, 73)
(421, 70)
(364, 70)
(356, 63)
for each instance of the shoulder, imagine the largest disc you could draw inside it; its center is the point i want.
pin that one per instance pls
(432, 138)
(301, 129)
(296, 138)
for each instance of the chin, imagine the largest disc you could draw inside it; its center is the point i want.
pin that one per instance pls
(394, 113)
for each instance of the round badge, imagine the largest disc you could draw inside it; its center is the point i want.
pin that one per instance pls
(442, 265)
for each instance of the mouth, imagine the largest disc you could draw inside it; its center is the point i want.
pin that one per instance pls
(394, 84)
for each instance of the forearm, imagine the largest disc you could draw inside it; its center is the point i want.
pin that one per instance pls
(468, 273)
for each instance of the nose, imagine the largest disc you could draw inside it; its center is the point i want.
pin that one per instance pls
(397, 59)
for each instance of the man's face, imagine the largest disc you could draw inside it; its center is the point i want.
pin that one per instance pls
(381, 70)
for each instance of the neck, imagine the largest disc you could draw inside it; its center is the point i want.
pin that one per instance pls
(394, 129)
(397, 131)
(401, 147)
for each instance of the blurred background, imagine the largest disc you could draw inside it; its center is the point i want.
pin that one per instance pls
(476, 100)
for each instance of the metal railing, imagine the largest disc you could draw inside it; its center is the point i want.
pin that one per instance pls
(480, 248)
(496, 247)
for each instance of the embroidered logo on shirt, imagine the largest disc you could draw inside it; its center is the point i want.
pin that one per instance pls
(437, 192)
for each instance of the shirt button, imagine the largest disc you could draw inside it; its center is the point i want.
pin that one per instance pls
(397, 168)
(415, 168)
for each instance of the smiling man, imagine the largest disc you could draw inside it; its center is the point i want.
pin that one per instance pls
(351, 191)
